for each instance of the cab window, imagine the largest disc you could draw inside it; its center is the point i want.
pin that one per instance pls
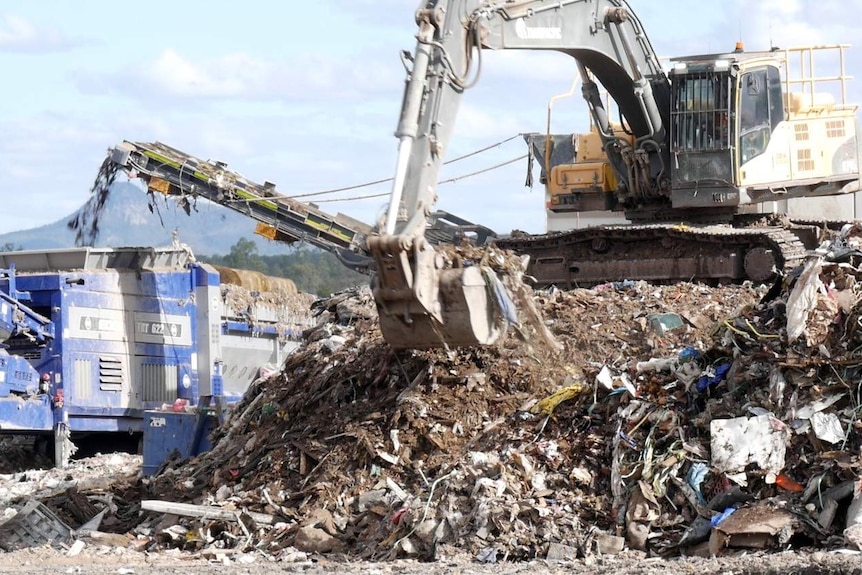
(754, 118)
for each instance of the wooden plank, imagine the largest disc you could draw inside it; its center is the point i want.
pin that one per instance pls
(203, 511)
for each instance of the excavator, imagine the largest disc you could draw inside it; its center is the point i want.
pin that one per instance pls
(695, 153)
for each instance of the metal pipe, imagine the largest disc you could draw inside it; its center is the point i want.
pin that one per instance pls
(642, 87)
(551, 102)
(646, 101)
(408, 123)
(843, 77)
(590, 91)
(405, 146)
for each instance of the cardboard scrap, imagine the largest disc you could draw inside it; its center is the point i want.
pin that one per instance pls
(757, 527)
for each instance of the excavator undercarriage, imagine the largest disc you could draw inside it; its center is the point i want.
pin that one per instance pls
(663, 253)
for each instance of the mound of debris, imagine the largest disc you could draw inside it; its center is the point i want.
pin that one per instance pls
(97, 498)
(501, 451)
(668, 420)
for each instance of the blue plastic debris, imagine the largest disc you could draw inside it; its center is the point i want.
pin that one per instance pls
(712, 377)
(689, 354)
(501, 295)
(717, 519)
(628, 440)
(695, 477)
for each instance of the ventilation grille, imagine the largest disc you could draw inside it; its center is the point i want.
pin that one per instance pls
(110, 373)
(159, 382)
(804, 161)
(83, 379)
(835, 129)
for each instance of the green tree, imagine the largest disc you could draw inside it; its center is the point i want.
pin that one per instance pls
(244, 255)
(312, 270)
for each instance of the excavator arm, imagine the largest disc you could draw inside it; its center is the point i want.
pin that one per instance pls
(424, 298)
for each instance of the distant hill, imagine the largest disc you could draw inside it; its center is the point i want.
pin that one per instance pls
(127, 221)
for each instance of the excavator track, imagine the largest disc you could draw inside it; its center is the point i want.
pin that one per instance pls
(659, 253)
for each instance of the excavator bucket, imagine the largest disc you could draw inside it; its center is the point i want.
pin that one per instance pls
(470, 310)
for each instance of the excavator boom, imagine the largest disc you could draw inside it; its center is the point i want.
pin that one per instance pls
(425, 299)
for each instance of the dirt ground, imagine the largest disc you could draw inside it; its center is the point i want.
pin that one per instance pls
(109, 561)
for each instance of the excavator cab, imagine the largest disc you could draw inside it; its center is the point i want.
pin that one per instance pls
(743, 128)
(743, 131)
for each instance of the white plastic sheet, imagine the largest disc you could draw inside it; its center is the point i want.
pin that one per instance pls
(737, 442)
(803, 299)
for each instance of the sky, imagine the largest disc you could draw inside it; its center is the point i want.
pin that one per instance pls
(307, 94)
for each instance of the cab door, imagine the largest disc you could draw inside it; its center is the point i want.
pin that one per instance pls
(764, 138)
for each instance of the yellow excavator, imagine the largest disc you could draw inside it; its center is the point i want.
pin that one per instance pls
(703, 144)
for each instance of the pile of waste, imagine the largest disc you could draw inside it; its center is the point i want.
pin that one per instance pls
(96, 497)
(503, 451)
(670, 420)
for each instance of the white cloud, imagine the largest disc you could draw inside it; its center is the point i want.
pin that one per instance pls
(489, 124)
(547, 67)
(174, 77)
(18, 34)
(223, 140)
(48, 161)
(236, 75)
(47, 164)
(784, 22)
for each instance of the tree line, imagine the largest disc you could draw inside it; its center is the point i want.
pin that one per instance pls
(312, 270)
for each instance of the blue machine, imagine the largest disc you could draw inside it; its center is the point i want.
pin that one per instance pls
(94, 337)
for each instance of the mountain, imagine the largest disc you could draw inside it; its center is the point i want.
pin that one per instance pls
(126, 220)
